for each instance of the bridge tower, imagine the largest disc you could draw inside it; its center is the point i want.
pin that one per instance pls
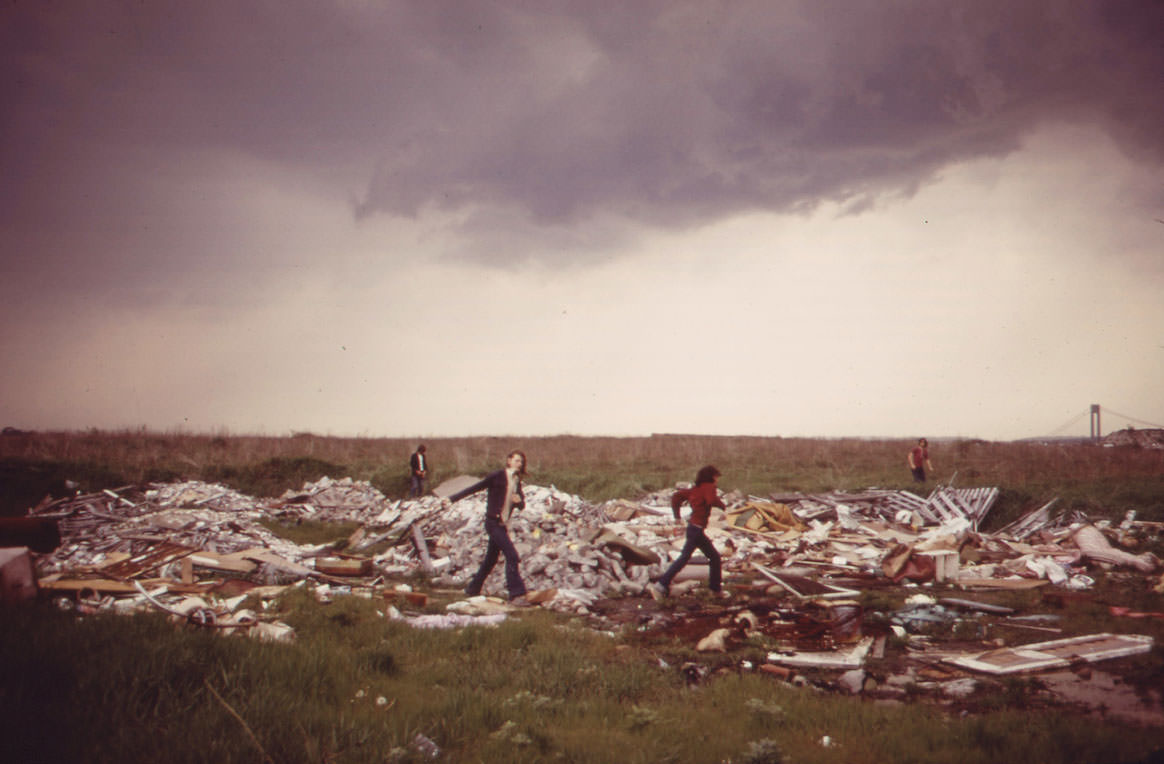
(1096, 434)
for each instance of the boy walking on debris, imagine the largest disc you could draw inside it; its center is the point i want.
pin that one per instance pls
(504, 496)
(702, 497)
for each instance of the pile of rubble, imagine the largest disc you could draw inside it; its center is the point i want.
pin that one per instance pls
(199, 551)
(1150, 439)
(187, 537)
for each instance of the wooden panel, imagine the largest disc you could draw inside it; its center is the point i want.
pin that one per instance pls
(1058, 653)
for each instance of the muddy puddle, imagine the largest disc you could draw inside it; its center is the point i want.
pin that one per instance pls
(1106, 695)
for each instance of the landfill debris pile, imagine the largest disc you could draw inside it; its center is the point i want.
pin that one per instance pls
(198, 550)
(565, 542)
(942, 504)
(1148, 438)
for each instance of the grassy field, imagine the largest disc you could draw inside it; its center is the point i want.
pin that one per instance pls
(1101, 481)
(355, 686)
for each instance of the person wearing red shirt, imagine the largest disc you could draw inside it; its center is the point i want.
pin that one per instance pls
(702, 497)
(919, 460)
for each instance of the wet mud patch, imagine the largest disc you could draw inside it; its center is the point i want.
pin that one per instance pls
(1106, 695)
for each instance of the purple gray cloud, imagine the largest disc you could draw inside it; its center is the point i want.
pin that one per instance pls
(555, 116)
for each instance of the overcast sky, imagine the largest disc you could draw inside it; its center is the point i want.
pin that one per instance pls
(427, 218)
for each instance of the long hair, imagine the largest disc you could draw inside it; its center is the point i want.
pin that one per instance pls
(514, 453)
(707, 474)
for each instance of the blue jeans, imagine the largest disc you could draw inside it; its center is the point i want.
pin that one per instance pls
(499, 544)
(416, 487)
(696, 539)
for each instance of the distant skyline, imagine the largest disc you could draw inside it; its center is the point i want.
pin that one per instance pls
(884, 218)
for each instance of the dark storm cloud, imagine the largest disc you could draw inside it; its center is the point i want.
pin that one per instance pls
(690, 111)
(557, 114)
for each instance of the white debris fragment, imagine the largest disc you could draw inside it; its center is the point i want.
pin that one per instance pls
(578, 550)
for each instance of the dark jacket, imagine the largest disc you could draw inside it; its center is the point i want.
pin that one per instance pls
(414, 462)
(496, 482)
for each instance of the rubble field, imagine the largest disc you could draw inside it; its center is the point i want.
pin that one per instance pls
(885, 594)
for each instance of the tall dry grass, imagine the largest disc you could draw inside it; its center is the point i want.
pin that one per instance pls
(600, 468)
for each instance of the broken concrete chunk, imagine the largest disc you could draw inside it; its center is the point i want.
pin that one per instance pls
(715, 641)
(852, 681)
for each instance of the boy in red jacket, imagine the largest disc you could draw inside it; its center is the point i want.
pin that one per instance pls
(702, 497)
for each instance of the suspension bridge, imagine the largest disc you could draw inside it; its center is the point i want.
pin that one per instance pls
(1094, 415)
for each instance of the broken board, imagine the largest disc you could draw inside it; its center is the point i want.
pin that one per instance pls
(631, 554)
(453, 485)
(99, 585)
(1059, 653)
(845, 659)
(805, 588)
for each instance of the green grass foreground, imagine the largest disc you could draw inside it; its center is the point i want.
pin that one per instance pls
(355, 686)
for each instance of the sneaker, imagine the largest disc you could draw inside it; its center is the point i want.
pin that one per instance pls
(521, 601)
(656, 591)
(722, 594)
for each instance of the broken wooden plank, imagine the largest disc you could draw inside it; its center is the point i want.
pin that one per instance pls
(805, 588)
(343, 566)
(371, 540)
(1030, 522)
(630, 553)
(267, 557)
(100, 585)
(914, 503)
(1059, 653)
(122, 499)
(940, 502)
(227, 563)
(965, 582)
(983, 502)
(153, 558)
(984, 607)
(843, 660)
(421, 547)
